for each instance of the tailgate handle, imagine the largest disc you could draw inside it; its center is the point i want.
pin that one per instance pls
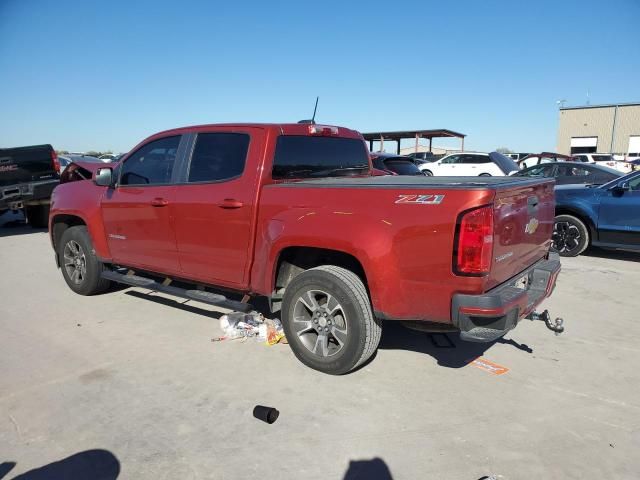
(532, 205)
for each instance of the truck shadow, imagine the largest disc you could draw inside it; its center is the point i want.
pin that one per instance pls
(180, 304)
(90, 464)
(14, 224)
(627, 255)
(446, 348)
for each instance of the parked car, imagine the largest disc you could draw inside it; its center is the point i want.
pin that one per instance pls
(66, 160)
(292, 212)
(571, 173)
(516, 156)
(603, 216)
(424, 157)
(108, 157)
(28, 175)
(470, 165)
(604, 159)
(394, 164)
(544, 157)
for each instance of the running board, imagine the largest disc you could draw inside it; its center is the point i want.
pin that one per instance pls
(198, 295)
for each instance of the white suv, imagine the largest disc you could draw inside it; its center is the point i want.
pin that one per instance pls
(604, 159)
(470, 165)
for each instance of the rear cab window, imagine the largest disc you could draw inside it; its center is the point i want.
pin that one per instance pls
(300, 156)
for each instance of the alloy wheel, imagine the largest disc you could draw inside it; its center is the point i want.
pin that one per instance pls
(75, 262)
(319, 320)
(566, 237)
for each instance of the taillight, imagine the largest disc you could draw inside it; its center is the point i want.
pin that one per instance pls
(55, 163)
(475, 242)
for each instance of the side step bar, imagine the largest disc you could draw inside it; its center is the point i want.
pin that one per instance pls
(198, 295)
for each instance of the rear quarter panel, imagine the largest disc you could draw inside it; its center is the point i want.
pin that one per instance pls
(405, 248)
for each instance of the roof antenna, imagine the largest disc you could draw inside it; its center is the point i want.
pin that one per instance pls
(313, 119)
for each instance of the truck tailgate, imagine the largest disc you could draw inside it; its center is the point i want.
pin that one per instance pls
(26, 164)
(523, 224)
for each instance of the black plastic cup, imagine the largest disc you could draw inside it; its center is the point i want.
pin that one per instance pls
(266, 414)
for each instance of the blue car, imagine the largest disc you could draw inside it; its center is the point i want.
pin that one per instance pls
(603, 216)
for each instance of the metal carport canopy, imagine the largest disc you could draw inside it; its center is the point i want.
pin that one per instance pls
(417, 134)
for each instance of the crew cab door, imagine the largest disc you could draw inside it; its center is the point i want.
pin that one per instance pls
(137, 213)
(619, 215)
(215, 204)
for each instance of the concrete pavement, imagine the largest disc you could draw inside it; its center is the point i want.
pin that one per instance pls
(136, 375)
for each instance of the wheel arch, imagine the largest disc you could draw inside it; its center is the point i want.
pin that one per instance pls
(62, 222)
(293, 260)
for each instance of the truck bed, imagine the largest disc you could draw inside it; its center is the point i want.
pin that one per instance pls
(398, 181)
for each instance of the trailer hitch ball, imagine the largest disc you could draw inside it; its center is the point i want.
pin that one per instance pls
(555, 326)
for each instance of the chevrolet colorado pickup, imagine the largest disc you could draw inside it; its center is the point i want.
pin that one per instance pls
(294, 212)
(28, 175)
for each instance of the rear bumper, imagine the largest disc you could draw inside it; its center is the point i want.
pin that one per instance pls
(486, 317)
(15, 196)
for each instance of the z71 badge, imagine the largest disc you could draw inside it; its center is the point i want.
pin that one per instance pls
(421, 199)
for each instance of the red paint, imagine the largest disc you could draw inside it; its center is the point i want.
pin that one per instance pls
(231, 233)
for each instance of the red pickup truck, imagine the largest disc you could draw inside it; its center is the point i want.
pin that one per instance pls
(294, 212)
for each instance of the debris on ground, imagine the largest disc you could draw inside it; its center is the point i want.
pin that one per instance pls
(243, 326)
(266, 414)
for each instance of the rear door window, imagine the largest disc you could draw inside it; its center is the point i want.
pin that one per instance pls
(299, 156)
(218, 157)
(540, 171)
(152, 163)
(451, 159)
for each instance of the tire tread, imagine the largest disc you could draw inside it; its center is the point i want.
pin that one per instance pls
(373, 326)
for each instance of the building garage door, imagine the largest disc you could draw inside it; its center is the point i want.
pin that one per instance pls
(634, 146)
(584, 145)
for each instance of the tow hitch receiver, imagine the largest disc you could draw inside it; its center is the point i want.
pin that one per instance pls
(555, 327)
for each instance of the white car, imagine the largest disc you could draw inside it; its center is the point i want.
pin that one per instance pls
(605, 159)
(471, 165)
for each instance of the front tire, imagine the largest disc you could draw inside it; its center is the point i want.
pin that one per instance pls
(80, 267)
(327, 319)
(428, 173)
(570, 236)
(484, 175)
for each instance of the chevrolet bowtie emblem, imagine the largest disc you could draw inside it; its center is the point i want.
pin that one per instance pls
(532, 226)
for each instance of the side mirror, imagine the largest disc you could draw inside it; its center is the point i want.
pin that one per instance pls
(104, 177)
(621, 187)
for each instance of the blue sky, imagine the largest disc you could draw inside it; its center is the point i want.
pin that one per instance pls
(103, 75)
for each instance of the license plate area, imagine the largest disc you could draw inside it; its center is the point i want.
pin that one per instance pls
(523, 282)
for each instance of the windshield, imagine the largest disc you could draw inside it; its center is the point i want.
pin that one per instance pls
(602, 158)
(304, 156)
(506, 164)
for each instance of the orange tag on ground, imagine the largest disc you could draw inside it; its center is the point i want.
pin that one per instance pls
(488, 366)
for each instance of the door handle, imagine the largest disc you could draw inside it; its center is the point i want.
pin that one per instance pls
(159, 202)
(230, 203)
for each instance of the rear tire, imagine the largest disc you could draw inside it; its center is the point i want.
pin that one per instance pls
(37, 215)
(570, 236)
(327, 318)
(80, 267)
